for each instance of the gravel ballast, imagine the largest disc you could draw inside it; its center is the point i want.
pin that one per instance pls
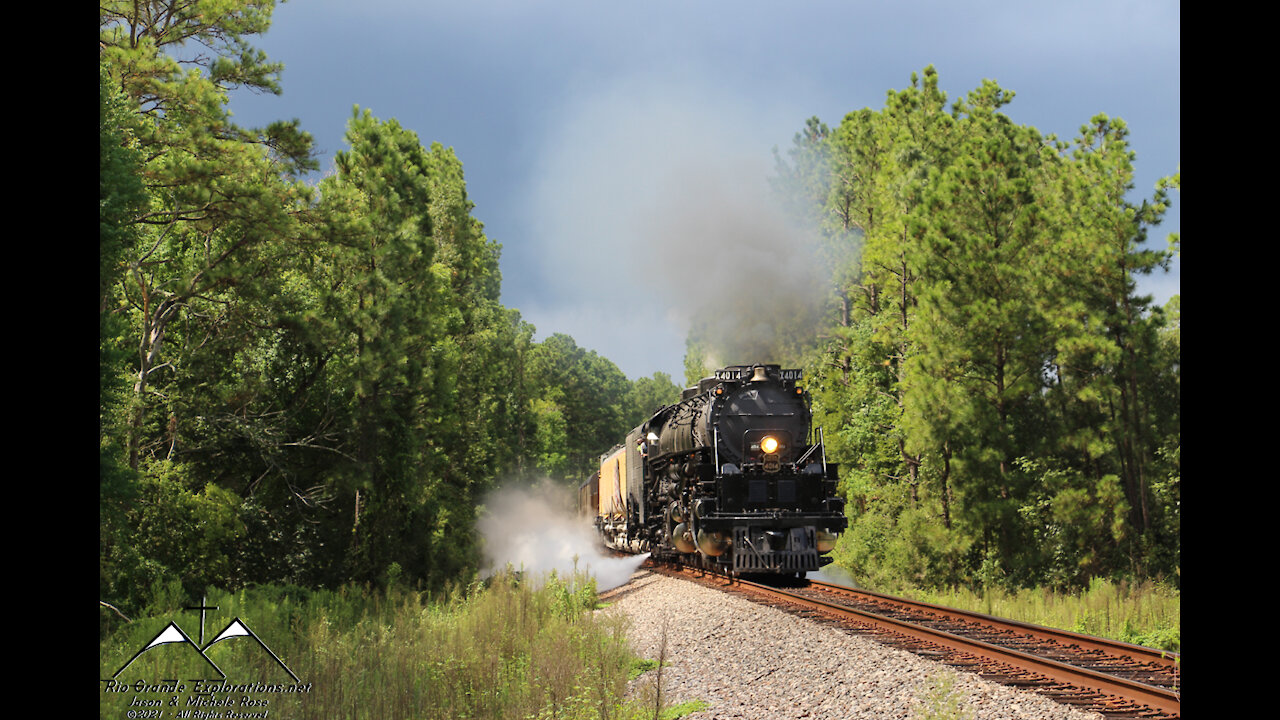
(753, 662)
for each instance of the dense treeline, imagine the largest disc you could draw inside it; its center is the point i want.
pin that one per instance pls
(304, 383)
(1006, 405)
(314, 382)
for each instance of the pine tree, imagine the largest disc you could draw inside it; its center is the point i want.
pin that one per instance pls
(999, 395)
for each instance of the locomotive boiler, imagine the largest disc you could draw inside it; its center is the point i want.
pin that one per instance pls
(733, 478)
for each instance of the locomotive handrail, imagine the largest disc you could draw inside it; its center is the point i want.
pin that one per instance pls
(809, 452)
(822, 440)
(715, 445)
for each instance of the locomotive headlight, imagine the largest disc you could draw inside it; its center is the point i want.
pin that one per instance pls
(769, 445)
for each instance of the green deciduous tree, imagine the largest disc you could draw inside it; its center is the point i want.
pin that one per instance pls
(648, 395)
(585, 391)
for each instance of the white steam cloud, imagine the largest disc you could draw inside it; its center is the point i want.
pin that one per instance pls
(535, 530)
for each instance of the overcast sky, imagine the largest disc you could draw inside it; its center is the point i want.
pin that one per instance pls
(601, 140)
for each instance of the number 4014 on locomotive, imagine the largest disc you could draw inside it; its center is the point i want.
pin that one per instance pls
(732, 478)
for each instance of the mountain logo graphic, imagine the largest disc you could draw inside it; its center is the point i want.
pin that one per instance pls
(235, 629)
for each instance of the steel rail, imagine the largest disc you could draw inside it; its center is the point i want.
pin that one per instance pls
(1159, 698)
(1137, 653)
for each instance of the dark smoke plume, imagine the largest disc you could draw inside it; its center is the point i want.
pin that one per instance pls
(655, 215)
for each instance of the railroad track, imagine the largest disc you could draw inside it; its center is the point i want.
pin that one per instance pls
(1119, 680)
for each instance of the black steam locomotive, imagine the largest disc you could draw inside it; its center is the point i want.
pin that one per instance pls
(731, 478)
